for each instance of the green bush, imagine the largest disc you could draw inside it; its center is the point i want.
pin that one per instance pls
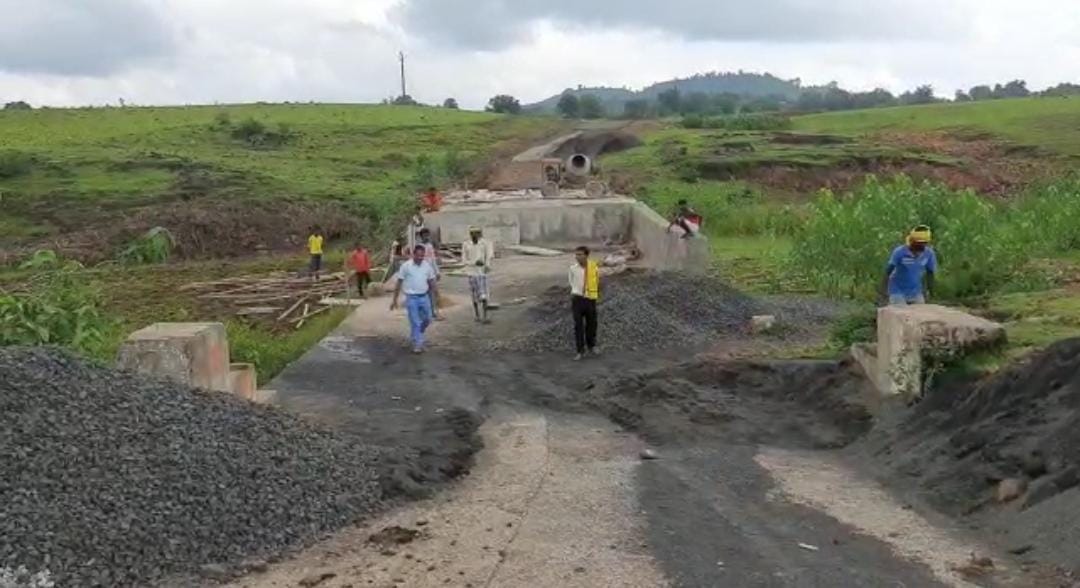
(63, 309)
(14, 164)
(856, 327)
(1048, 217)
(154, 247)
(846, 241)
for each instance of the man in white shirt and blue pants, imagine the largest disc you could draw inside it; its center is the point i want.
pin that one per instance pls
(418, 279)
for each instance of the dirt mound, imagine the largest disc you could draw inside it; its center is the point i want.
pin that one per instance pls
(808, 404)
(110, 479)
(655, 310)
(205, 228)
(593, 144)
(1023, 424)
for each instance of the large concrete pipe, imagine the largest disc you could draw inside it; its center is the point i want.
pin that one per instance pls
(579, 164)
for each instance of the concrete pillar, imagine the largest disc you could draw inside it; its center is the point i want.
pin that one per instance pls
(194, 354)
(909, 336)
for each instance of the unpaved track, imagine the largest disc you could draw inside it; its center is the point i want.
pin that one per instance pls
(558, 496)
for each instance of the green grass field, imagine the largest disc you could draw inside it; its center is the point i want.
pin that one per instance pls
(1049, 123)
(71, 163)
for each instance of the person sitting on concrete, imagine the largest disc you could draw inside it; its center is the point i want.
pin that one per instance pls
(909, 275)
(477, 254)
(359, 268)
(431, 200)
(584, 293)
(431, 254)
(416, 278)
(687, 219)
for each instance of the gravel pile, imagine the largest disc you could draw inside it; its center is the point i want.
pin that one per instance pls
(110, 479)
(645, 311)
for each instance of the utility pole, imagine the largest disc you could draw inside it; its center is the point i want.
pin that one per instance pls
(401, 57)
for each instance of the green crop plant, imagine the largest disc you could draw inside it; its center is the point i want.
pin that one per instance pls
(60, 308)
(154, 247)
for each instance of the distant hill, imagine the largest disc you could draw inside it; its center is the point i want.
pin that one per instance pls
(743, 84)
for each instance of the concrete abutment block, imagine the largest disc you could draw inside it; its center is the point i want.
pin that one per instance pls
(194, 354)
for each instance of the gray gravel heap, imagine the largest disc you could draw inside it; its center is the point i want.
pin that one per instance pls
(112, 479)
(650, 310)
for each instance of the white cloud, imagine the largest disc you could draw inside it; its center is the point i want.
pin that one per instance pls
(345, 50)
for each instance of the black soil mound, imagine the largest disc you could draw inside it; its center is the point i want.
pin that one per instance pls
(795, 404)
(1023, 424)
(110, 479)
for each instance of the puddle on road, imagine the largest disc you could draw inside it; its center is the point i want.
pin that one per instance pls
(349, 347)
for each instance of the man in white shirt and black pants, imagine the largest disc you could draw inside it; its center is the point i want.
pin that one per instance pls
(417, 278)
(584, 278)
(477, 255)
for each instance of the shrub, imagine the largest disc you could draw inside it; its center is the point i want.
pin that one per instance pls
(257, 134)
(14, 164)
(846, 241)
(856, 327)
(154, 247)
(63, 309)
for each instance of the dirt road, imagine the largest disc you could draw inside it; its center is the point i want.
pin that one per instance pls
(748, 488)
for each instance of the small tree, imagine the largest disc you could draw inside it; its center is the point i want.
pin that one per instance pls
(590, 107)
(569, 105)
(636, 109)
(921, 95)
(18, 105)
(405, 100)
(450, 103)
(504, 104)
(981, 93)
(670, 101)
(962, 96)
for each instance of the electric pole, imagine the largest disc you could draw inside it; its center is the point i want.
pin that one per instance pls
(401, 57)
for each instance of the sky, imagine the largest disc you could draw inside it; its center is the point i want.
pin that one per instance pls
(93, 52)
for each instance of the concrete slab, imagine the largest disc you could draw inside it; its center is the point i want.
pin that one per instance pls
(665, 249)
(910, 336)
(195, 354)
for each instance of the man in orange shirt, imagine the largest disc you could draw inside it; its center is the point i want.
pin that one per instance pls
(359, 264)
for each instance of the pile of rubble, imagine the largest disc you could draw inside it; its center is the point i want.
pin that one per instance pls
(112, 479)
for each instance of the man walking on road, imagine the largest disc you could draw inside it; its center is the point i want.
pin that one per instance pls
(432, 256)
(584, 292)
(417, 278)
(909, 275)
(477, 254)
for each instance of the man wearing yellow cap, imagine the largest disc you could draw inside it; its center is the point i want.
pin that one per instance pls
(909, 276)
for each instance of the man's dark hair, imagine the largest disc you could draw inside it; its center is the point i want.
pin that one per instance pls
(420, 248)
(425, 231)
(582, 249)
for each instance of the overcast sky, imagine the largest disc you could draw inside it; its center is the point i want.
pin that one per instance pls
(75, 52)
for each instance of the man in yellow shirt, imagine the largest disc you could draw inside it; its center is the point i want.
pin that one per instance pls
(584, 278)
(315, 249)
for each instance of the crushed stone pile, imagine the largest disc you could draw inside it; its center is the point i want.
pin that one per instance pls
(655, 310)
(1022, 426)
(111, 479)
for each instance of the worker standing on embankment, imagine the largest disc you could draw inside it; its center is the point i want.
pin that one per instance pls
(909, 275)
(417, 278)
(477, 255)
(584, 293)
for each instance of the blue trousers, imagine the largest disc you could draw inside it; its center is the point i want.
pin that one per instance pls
(419, 308)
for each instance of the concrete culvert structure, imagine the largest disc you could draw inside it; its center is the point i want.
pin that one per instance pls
(579, 165)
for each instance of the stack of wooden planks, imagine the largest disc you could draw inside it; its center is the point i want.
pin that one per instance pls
(280, 297)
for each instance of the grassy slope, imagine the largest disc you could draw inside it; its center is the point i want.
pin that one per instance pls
(118, 158)
(1049, 123)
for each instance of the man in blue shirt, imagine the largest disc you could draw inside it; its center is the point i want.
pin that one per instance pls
(417, 278)
(909, 276)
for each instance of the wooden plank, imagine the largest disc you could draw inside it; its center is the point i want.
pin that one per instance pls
(292, 308)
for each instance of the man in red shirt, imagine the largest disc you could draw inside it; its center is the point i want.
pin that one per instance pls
(359, 265)
(687, 219)
(431, 201)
